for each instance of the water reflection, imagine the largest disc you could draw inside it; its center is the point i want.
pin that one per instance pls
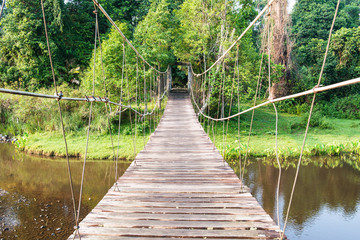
(326, 203)
(35, 198)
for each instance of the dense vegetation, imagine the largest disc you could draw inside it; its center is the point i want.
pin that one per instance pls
(171, 33)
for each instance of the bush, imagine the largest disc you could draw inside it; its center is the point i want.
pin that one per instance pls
(347, 107)
(317, 120)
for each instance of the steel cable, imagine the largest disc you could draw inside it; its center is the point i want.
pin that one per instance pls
(89, 124)
(60, 114)
(309, 118)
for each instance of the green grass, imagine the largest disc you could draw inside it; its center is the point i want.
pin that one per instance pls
(100, 147)
(340, 136)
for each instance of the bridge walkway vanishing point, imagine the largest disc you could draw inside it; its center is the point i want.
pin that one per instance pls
(178, 187)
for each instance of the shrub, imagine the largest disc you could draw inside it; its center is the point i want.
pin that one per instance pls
(317, 120)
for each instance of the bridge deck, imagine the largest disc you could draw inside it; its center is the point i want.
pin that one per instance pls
(180, 187)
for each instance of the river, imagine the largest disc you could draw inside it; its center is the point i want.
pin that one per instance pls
(35, 200)
(35, 197)
(326, 203)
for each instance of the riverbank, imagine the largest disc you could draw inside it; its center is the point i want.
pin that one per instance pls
(327, 136)
(100, 146)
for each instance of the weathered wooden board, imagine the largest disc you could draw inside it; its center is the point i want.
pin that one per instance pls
(178, 187)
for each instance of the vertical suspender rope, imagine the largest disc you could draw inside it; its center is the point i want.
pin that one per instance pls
(2, 8)
(150, 99)
(218, 109)
(251, 123)
(205, 82)
(223, 110)
(89, 126)
(108, 110)
(60, 114)
(156, 87)
(308, 122)
(232, 92)
(129, 103)
(145, 107)
(239, 120)
(208, 105)
(120, 111)
(136, 103)
(276, 123)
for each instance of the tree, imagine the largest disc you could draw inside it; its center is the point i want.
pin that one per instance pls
(345, 47)
(130, 12)
(112, 56)
(311, 25)
(154, 35)
(23, 49)
(312, 19)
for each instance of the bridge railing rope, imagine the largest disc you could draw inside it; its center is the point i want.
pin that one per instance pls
(157, 90)
(216, 91)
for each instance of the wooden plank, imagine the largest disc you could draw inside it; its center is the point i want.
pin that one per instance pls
(150, 232)
(179, 186)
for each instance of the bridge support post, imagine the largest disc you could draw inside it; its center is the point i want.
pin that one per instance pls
(160, 81)
(169, 79)
(190, 76)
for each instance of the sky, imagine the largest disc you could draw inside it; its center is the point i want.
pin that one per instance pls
(291, 4)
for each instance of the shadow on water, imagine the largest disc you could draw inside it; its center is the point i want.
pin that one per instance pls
(326, 202)
(35, 198)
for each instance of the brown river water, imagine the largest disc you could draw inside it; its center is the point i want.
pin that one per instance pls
(35, 197)
(35, 200)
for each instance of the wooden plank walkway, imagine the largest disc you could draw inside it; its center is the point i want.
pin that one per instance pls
(179, 187)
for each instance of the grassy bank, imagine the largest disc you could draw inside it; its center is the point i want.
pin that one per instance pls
(100, 147)
(40, 133)
(35, 123)
(327, 136)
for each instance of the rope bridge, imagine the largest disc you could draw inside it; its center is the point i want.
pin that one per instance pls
(155, 86)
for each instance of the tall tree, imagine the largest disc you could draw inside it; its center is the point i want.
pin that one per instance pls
(23, 50)
(312, 19)
(129, 11)
(277, 39)
(154, 35)
(311, 25)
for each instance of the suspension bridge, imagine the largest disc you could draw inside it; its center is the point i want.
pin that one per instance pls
(179, 186)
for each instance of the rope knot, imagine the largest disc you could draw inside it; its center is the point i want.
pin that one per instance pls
(60, 95)
(315, 87)
(77, 227)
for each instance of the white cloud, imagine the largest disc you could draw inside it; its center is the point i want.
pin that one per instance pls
(291, 4)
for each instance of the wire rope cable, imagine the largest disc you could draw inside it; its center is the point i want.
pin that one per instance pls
(2, 8)
(60, 114)
(123, 35)
(309, 118)
(89, 124)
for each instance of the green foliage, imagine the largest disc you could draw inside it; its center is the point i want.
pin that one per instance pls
(317, 120)
(154, 34)
(312, 19)
(130, 12)
(112, 58)
(347, 107)
(346, 47)
(21, 141)
(23, 49)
